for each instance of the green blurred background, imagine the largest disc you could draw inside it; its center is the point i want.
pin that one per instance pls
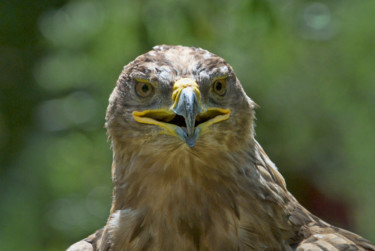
(310, 65)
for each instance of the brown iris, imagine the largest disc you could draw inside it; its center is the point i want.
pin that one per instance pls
(143, 89)
(220, 86)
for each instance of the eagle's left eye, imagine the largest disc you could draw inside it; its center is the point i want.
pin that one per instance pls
(143, 89)
(220, 86)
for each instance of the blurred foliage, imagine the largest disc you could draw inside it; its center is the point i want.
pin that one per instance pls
(308, 64)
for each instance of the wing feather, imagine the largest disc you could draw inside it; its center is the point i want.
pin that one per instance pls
(91, 243)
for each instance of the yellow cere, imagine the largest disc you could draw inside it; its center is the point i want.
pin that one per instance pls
(180, 85)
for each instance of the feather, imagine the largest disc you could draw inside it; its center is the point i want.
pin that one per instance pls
(220, 190)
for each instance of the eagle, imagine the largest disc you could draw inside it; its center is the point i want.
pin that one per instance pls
(188, 173)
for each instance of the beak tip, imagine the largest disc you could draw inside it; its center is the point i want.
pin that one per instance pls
(190, 141)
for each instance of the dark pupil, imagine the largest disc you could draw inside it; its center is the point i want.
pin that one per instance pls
(218, 86)
(145, 88)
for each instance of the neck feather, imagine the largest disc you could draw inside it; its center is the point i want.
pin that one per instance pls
(193, 194)
(152, 177)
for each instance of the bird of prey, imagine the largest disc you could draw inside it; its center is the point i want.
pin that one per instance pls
(187, 171)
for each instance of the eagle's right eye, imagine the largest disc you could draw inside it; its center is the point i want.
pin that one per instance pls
(143, 89)
(220, 87)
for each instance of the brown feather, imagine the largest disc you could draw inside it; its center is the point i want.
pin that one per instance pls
(222, 194)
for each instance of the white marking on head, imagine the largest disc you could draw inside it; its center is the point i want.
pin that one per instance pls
(165, 75)
(207, 55)
(203, 75)
(223, 69)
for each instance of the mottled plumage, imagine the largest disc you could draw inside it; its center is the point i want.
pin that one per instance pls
(187, 171)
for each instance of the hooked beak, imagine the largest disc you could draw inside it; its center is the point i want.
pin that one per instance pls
(186, 97)
(186, 119)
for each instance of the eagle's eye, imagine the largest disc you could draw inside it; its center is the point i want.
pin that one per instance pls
(143, 89)
(220, 86)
